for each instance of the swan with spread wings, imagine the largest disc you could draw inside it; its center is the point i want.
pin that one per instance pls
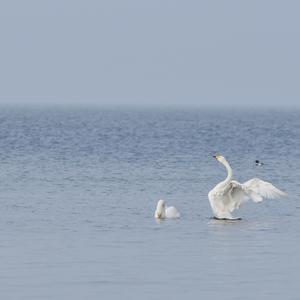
(229, 194)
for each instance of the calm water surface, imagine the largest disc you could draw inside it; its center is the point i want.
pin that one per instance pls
(79, 189)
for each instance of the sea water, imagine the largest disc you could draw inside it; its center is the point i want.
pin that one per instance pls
(79, 189)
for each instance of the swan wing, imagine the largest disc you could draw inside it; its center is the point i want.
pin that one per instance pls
(263, 189)
(254, 189)
(172, 212)
(237, 195)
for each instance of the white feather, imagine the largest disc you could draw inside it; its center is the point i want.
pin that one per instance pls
(172, 212)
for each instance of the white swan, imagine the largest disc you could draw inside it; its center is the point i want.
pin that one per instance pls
(164, 212)
(229, 194)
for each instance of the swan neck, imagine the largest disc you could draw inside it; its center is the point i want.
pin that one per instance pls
(160, 212)
(229, 172)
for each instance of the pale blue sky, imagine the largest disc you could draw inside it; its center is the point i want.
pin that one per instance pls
(150, 52)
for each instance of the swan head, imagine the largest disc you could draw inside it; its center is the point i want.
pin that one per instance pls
(220, 158)
(160, 209)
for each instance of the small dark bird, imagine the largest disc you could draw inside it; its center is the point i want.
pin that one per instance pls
(258, 163)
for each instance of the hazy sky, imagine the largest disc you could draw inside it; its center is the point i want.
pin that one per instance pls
(150, 52)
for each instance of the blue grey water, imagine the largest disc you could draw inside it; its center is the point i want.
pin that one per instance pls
(79, 189)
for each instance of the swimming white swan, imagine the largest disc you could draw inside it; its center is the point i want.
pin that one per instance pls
(229, 194)
(164, 212)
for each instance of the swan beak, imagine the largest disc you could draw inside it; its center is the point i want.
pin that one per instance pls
(214, 156)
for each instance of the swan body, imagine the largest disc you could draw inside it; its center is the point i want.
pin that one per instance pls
(229, 194)
(164, 212)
